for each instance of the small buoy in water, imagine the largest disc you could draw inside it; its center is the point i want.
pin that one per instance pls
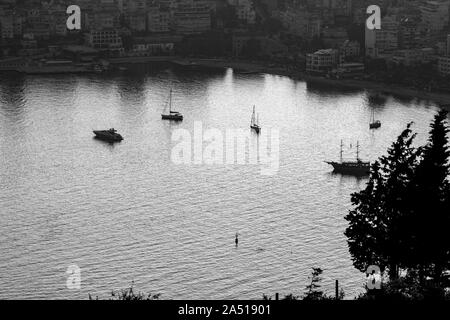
(236, 240)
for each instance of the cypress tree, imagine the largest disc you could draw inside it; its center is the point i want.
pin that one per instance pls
(429, 198)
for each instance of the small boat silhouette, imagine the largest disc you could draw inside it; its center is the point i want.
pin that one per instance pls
(172, 115)
(374, 124)
(110, 135)
(254, 123)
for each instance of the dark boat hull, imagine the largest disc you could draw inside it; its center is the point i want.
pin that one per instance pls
(375, 125)
(107, 136)
(172, 117)
(350, 169)
(256, 128)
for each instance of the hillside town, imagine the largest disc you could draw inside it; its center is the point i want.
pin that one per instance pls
(327, 38)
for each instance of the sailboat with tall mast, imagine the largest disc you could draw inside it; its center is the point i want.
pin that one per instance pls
(254, 122)
(374, 124)
(172, 115)
(357, 167)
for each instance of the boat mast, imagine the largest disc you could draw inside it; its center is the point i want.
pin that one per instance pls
(253, 116)
(342, 145)
(170, 100)
(357, 151)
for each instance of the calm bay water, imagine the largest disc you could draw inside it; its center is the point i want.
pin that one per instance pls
(126, 213)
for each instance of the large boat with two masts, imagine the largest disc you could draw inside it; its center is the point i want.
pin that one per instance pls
(357, 167)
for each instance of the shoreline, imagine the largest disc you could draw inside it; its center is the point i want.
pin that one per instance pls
(440, 98)
(252, 67)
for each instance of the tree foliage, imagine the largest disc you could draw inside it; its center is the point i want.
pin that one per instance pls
(400, 220)
(130, 295)
(374, 232)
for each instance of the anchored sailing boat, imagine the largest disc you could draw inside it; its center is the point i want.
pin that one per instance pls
(254, 123)
(357, 167)
(374, 124)
(172, 115)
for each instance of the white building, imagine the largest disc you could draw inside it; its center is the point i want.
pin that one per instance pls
(108, 39)
(322, 61)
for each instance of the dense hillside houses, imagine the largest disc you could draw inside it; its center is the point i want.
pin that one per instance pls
(295, 32)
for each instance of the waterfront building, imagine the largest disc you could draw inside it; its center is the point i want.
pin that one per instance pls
(410, 57)
(322, 61)
(154, 46)
(349, 70)
(106, 39)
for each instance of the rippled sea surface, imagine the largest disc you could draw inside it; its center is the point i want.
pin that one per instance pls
(126, 212)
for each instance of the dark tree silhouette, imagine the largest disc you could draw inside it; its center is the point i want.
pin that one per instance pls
(312, 291)
(376, 230)
(429, 199)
